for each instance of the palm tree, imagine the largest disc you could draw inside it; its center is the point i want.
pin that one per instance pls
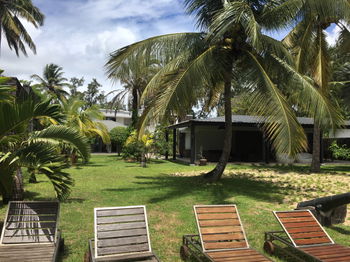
(11, 26)
(308, 44)
(231, 45)
(83, 120)
(53, 81)
(134, 77)
(36, 150)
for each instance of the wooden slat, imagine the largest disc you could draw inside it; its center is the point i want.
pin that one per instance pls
(329, 253)
(217, 216)
(308, 235)
(122, 233)
(293, 214)
(304, 229)
(217, 237)
(118, 219)
(41, 211)
(297, 219)
(109, 227)
(19, 225)
(215, 230)
(222, 245)
(27, 239)
(237, 255)
(311, 241)
(122, 249)
(31, 218)
(221, 222)
(302, 224)
(122, 241)
(118, 212)
(224, 209)
(29, 232)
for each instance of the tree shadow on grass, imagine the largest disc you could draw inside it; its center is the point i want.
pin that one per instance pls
(341, 230)
(171, 187)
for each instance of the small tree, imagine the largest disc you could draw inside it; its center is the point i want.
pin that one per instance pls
(118, 136)
(137, 148)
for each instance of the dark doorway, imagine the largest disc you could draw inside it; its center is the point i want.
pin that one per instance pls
(248, 146)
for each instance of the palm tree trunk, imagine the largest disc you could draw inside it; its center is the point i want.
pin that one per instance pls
(316, 148)
(135, 107)
(217, 172)
(17, 186)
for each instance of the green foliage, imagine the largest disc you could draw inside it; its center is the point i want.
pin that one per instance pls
(138, 147)
(160, 146)
(340, 152)
(12, 15)
(118, 136)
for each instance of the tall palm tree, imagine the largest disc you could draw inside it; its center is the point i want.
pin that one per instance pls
(53, 81)
(308, 44)
(11, 27)
(134, 77)
(232, 44)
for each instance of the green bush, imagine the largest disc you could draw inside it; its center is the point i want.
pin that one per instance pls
(340, 152)
(118, 136)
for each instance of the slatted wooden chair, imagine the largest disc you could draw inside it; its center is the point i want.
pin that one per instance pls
(303, 232)
(30, 232)
(222, 236)
(121, 234)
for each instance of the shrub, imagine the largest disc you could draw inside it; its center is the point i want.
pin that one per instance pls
(136, 148)
(118, 136)
(340, 152)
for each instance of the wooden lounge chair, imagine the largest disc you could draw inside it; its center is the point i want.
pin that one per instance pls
(302, 232)
(121, 234)
(30, 232)
(221, 236)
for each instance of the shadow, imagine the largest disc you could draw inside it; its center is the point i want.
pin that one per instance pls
(340, 230)
(62, 256)
(219, 192)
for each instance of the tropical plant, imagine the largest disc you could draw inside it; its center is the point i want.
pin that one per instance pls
(138, 148)
(231, 45)
(339, 152)
(308, 44)
(36, 150)
(134, 76)
(85, 121)
(53, 82)
(92, 93)
(12, 14)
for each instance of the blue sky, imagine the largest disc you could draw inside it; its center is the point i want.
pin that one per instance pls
(79, 34)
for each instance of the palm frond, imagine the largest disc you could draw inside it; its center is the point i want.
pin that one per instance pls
(279, 121)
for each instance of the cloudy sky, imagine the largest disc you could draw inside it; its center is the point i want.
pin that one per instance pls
(79, 34)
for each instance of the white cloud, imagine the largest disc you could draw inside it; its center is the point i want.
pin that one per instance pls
(78, 35)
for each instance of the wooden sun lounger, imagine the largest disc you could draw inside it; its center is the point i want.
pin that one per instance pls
(303, 232)
(30, 232)
(222, 236)
(121, 234)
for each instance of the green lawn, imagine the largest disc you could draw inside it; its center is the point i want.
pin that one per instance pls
(170, 190)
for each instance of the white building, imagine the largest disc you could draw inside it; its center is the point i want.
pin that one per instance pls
(114, 119)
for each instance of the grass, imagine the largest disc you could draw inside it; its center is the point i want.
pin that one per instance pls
(169, 191)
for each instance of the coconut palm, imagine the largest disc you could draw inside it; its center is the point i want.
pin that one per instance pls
(85, 120)
(134, 77)
(231, 45)
(11, 26)
(36, 150)
(308, 44)
(53, 82)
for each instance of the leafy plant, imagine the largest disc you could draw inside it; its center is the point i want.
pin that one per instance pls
(118, 136)
(138, 148)
(340, 152)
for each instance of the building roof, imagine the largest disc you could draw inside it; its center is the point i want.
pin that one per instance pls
(241, 119)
